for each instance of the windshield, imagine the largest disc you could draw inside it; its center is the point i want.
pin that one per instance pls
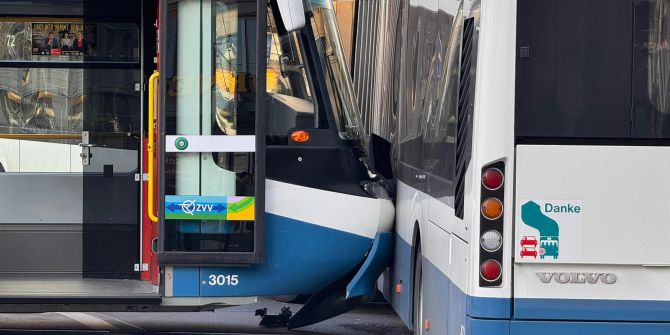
(337, 78)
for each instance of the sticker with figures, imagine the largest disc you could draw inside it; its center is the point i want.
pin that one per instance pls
(549, 231)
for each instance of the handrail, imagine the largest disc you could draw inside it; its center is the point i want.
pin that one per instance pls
(151, 208)
(41, 136)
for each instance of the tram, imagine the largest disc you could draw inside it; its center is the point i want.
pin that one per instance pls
(186, 158)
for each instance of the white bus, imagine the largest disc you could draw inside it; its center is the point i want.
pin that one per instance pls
(530, 147)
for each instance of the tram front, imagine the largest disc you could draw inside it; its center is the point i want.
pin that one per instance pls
(264, 189)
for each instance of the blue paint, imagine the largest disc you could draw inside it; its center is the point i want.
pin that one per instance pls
(364, 282)
(587, 309)
(483, 315)
(437, 299)
(185, 282)
(301, 258)
(460, 304)
(401, 272)
(490, 308)
(586, 328)
(489, 327)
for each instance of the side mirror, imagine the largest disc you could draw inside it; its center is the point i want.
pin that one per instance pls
(292, 14)
(379, 156)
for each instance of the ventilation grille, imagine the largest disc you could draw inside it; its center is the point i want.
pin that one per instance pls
(464, 115)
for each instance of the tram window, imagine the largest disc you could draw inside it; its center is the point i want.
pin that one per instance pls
(289, 100)
(218, 173)
(335, 71)
(235, 68)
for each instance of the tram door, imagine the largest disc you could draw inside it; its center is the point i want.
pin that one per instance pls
(212, 189)
(70, 129)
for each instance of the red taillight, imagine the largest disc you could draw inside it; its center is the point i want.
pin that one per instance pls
(490, 270)
(492, 178)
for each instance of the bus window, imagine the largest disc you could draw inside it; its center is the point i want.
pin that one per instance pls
(563, 93)
(651, 69)
(439, 140)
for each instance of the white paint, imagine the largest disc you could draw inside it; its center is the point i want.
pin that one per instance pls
(352, 214)
(213, 143)
(624, 195)
(89, 321)
(634, 282)
(493, 129)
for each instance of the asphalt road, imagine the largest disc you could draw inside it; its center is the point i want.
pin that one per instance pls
(372, 319)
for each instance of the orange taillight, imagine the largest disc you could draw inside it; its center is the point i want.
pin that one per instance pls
(492, 208)
(299, 136)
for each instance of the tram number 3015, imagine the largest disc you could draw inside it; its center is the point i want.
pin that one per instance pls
(223, 280)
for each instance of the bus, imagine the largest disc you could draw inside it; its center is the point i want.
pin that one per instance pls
(529, 141)
(183, 155)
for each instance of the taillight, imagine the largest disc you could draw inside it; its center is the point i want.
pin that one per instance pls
(492, 178)
(491, 240)
(491, 270)
(491, 225)
(492, 208)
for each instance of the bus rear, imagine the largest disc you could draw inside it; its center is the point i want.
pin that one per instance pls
(591, 130)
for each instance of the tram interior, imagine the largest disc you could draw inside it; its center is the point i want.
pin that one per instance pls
(71, 79)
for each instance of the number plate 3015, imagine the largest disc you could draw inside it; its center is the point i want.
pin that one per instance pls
(222, 280)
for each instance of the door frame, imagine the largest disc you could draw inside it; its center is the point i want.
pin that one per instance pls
(218, 258)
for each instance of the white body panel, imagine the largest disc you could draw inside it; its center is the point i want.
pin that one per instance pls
(624, 227)
(493, 138)
(623, 194)
(633, 282)
(290, 200)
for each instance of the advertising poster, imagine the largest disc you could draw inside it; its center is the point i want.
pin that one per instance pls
(63, 39)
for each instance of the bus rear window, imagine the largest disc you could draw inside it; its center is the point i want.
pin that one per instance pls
(593, 69)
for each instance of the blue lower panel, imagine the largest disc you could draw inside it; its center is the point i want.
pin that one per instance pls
(586, 328)
(402, 273)
(445, 305)
(301, 258)
(583, 309)
(364, 282)
(488, 327)
(505, 327)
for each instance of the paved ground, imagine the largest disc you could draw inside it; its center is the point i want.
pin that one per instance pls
(373, 319)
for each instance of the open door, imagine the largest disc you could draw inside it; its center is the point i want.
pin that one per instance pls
(70, 129)
(211, 137)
